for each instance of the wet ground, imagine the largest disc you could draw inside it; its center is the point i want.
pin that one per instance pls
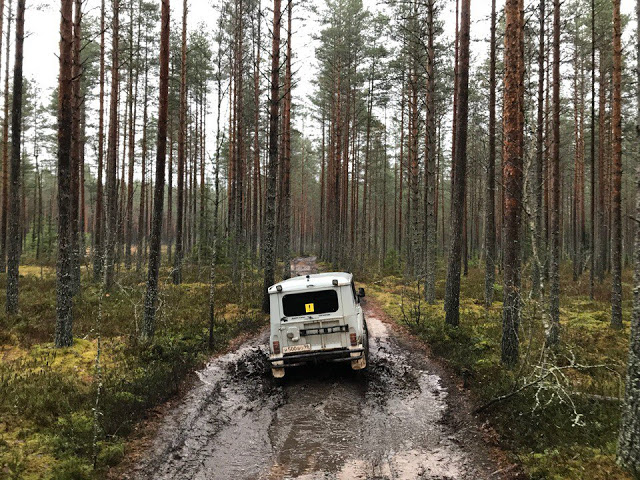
(394, 421)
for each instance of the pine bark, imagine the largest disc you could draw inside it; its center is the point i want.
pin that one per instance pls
(177, 267)
(431, 231)
(269, 228)
(490, 228)
(536, 274)
(286, 227)
(151, 297)
(133, 93)
(592, 151)
(64, 295)
(76, 145)
(512, 174)
(5, 148)
(452, 289)
(98, 257)
(112, 152)
(616, 197)
(554, 261)
(629, 445)
(15, 236)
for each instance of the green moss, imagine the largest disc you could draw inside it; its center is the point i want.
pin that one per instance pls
(536, 426)
(47, 395)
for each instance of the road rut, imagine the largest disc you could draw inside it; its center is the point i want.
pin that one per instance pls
(392, 421)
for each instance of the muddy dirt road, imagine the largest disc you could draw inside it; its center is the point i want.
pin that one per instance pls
(394, 421)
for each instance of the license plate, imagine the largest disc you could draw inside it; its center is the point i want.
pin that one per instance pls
(297, 348)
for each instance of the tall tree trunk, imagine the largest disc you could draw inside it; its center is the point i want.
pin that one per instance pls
(257, 193)
(536, 273)
(616, 199)
(76, 142)
(5, 148)
(269, 228)
(490, 228)
(151, 297)
(512, 175)
(554, 263)
(64, 300)
(112, 151)
(15, 236)
(133, 104)
(452, 290)
(142, 217)
(592, 151)
(603, 225)
(431, 195)
(177, 267)
(286, 227)
(98, 252)
(629, 446)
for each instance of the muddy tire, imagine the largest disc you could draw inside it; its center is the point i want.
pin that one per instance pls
(363, 363)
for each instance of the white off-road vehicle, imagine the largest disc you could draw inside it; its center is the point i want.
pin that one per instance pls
(317, 318)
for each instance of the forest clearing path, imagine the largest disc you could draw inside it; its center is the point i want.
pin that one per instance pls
(395, 421)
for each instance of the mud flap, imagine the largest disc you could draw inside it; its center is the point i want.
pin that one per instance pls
(277, 372)
(359, 364)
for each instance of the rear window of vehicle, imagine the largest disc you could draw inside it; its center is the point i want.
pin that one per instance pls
(310, 303)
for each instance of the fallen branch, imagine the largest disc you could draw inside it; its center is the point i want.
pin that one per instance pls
(552, 371)
(501, 398)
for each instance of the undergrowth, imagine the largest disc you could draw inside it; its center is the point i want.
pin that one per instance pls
(47, 395)
(564, 425)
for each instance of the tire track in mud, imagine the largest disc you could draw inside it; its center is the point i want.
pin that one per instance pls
(320, 422)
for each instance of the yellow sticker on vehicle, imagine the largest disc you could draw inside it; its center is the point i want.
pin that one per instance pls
(309, 307)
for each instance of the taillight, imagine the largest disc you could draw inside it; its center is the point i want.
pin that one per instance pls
(276, 347)
(352, 336)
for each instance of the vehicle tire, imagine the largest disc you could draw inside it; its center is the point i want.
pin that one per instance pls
(363, 363)
(365, 342)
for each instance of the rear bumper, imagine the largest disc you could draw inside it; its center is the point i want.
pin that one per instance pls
(335, 355)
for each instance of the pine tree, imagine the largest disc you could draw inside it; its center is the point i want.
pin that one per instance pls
(14, 240)
(272, 169)
(64, 292)
(512, 177)
(490, 228)
(616, 198)
(112, 151)
(629, 444)
(151, 297)
(452, 288)
(177, 268)
(554, 261)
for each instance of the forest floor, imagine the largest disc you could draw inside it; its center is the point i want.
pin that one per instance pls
(47, 395)
(403, 418)
(412, 412)
(562, 426)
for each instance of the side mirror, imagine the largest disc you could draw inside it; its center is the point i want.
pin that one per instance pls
(361, 292)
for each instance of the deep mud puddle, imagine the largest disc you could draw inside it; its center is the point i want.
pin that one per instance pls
(320, 422)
